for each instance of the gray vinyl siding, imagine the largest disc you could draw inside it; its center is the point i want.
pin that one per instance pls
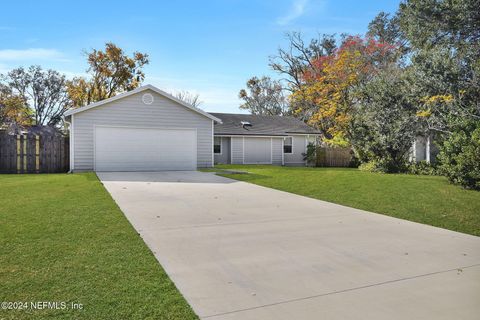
(224, 157)
(299, 147)
(131, 111)
(277, 150)
(237, 150)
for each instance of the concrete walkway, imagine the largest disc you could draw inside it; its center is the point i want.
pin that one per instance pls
(240, 251)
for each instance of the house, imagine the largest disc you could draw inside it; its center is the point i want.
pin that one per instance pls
(423, 149)
(144, 129)
(261, 139)
(147, 129)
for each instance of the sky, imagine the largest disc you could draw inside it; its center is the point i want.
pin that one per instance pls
(207, 47)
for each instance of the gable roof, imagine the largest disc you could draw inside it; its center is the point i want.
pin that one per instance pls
(260, 125)
(138, 90)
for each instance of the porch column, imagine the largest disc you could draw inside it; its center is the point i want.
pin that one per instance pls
(413, 151)
(427, 150)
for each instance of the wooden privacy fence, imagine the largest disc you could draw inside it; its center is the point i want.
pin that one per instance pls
(31, 153)
(333, 157)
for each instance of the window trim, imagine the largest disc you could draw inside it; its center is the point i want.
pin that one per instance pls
(221, 140)
(291, 145)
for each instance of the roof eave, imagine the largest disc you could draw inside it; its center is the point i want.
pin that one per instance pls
(286, 133)
(298, 132)
(250, 134)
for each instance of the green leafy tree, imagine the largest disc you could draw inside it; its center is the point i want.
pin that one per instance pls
(384, 123)
(430, 23)
(445, 41)
(444, 37)
(385, 28)
(460, 156)
(444, 86)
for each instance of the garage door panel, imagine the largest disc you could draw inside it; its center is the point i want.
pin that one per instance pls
(144, 149)
(258, 150)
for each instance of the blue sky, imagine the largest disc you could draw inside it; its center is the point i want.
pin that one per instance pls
(205, 47)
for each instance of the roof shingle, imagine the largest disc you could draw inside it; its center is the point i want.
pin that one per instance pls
(260, 125)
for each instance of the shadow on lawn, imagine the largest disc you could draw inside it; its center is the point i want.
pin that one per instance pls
(244, 176)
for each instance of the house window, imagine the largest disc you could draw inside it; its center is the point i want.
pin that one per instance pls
(287, 145)
(217, 145)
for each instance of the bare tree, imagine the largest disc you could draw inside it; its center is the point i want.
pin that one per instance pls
(188, 97)
(264, 96)
(43, 91)
(292, 62)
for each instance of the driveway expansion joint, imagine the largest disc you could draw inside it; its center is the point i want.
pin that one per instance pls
(207, 225)
(340, 291)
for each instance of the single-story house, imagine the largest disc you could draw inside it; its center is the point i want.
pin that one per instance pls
(147, 129)
(261, 139)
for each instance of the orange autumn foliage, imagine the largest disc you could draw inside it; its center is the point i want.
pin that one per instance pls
(13, 110)
(327, 93)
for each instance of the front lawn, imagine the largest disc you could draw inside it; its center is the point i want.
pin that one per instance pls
(425, 199)
(63, 239)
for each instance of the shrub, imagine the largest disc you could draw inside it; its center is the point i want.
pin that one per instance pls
(354, 161)
(311, 155)
(460, 157)
(384, 165)
(422, 167)
(371, 166)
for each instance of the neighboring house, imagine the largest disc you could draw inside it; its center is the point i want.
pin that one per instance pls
(423, 149)
(147, 129)
(256, 139)
(13, 129)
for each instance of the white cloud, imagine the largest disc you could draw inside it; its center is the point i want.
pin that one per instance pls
(30, 54)
(296, 11)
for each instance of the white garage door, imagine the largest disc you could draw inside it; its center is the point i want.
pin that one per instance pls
(258, 150)
(144, 149)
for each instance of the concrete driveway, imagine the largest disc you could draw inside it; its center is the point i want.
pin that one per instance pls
(240, 251)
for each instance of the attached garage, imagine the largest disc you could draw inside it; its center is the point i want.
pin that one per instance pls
(144, 149)
(142, 130)
(257, 150)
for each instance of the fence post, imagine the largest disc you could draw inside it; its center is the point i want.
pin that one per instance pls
(25, 142)
(66, 154)
(19, 165)
(37, 153)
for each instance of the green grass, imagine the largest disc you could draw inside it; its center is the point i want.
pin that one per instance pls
(62, 238)
(425, 199)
